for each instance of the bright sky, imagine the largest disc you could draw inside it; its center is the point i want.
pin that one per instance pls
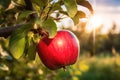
(106, 12)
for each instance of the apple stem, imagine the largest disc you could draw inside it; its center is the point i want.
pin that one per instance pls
(44, 33)
(64, 68)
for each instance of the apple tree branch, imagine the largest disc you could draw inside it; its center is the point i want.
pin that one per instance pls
(7, 31)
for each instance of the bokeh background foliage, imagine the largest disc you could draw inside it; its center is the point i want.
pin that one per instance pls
(21, 24)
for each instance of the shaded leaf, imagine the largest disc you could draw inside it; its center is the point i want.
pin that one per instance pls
(31, 49)
(1, 21)
(79, 15)
(4, 67)
(40, 3)
(56, 6)
(25, 14)
(36, 8)
(17, 42)
(51, 27)
(4, 4)
(17, 45)
(86, 4)
(71, 7)
(18, 2)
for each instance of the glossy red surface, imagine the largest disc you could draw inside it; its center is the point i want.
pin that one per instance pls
(60, 51)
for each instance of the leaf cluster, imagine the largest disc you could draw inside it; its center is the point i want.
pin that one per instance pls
(37, 16)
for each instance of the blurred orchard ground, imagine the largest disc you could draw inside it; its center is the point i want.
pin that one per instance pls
(21, 25)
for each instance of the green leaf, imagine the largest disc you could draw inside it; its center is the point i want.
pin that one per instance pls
(4, 4)
(17, 45)
(71, 6)
(86, 4)
(4, 67)
(56, 6)
(51, 27)
(40, 3)
(18, 2)
(17, 42)
(31, 50)
(79, 15)
(25, 14)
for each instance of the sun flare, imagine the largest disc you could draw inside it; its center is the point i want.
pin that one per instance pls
(94, 22)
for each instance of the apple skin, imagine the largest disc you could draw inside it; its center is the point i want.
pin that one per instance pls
(60, 51)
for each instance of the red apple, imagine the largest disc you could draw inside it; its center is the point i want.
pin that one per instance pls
(60, 51)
